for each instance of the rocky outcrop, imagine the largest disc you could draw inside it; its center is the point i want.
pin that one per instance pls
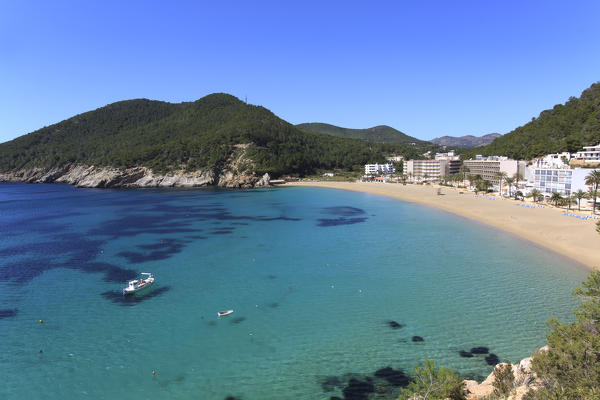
(525, 380)
(137, 177)
(238, 172)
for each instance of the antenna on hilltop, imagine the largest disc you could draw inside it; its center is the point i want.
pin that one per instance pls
(246, 99)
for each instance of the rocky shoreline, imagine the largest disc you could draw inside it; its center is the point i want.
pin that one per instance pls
(137, 177)
(524, 381)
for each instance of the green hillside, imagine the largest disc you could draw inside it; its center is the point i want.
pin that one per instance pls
(377, 134)
(566, 127)
(191, 136)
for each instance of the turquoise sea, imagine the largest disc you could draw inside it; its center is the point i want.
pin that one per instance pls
(328, 287)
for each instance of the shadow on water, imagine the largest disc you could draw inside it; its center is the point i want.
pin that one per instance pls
(324, 222)
(8, 313)
(146, 213)
(162, 250)
(118, 298)
(386, 382)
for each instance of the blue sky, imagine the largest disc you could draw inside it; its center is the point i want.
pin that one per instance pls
(427, 68)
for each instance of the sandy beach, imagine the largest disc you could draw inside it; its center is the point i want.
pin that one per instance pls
(572, 237)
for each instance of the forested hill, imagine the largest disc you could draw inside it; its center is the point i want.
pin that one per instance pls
(378, 134)
(467, 141)
(188, 136)
(566, 127)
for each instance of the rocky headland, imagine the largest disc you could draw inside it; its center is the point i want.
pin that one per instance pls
(137, 177)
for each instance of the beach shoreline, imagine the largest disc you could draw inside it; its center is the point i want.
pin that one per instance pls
(546, 226)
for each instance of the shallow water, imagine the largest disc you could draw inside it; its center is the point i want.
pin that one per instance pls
(315, 277)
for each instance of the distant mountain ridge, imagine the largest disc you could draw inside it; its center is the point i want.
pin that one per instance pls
(378, 134)
(466, 141)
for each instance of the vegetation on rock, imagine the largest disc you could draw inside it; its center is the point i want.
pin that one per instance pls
(566, 127)
(570, 369)
(431, 382)
(378, 134)
(188, 136)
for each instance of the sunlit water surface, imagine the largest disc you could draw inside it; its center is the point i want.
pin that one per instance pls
(324, 284)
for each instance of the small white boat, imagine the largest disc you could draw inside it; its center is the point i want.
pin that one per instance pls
(139, 284)
(224, 313)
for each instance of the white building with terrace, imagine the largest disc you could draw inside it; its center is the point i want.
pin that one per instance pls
(379, 169)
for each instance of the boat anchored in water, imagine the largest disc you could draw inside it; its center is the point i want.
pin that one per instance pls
(139, 284)
(224, 313)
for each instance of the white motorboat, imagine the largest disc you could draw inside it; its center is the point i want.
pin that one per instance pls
(139, 284)
(224, 313)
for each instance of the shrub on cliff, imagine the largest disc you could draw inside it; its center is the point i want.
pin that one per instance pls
(434, 383)
(504, 380)
(570, 369)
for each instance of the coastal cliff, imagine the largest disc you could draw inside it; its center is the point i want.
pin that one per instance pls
(524, 381)
(137, 177)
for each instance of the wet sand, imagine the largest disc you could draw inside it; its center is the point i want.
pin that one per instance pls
(572, 237)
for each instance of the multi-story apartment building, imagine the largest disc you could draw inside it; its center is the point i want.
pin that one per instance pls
(375, 169)
(430, 169)
(488, 168)
(589, 155)
(560, 180)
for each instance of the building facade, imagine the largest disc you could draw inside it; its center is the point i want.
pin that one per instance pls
(560, 180)
(430, 169)
(376, 169)
(488, 168)
(589, 154)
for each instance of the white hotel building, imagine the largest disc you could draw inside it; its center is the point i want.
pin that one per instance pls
(375, 169)
(589, 154)
(560, 180)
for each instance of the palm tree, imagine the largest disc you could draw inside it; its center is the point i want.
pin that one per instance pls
(569, 200)
(536, 195)
(464, 170)
(580, 194)
(501, 177)
(517, 177)
(556, 197)
(593, 180)
(509, 182)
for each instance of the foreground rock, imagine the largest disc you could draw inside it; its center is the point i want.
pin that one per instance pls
(525, 380)
(137, 177)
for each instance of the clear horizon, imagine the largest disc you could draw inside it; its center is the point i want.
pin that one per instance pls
(430, 69)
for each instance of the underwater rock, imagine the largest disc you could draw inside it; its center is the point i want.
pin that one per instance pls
(358, 390)
(492, 359)
(480, 350)
(395, 325)
(417, 339)
(330, 383)
(465, 354)
(7, 313)
(395, 377)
